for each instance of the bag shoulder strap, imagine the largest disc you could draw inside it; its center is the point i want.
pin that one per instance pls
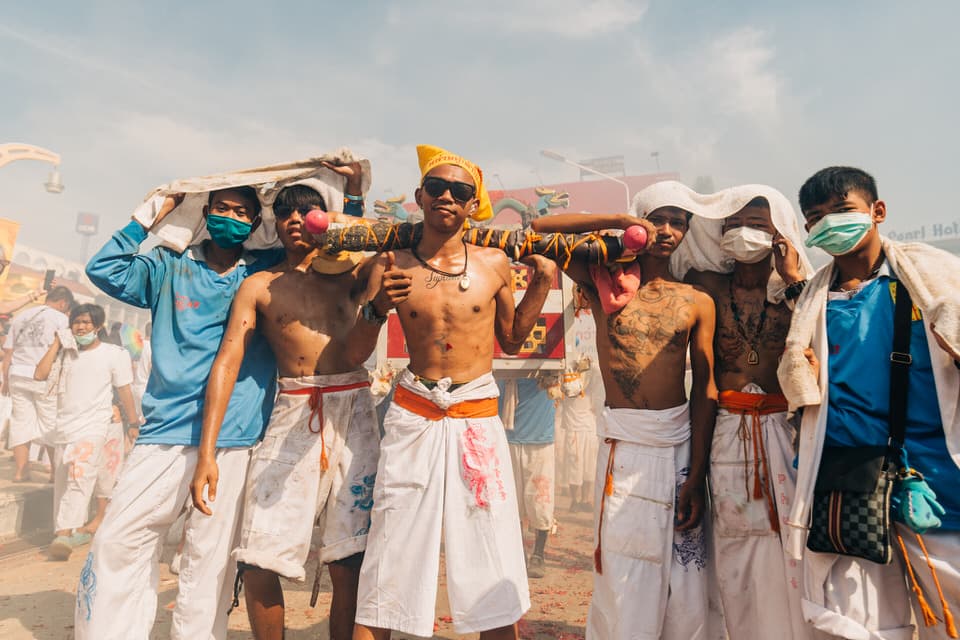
(900, 361)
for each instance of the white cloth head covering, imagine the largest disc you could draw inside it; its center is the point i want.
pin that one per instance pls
(700, 249)
(185, 226)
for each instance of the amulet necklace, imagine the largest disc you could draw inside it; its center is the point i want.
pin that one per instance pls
(464, 279)
(753, 358)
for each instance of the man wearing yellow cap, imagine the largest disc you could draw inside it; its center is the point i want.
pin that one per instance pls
(444, 459)
(318, 459)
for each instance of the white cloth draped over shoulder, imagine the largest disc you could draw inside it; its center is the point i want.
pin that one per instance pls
(932, 277)
(185, 226)
(700, 249)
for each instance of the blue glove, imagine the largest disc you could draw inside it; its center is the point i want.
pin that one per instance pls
(918, 506)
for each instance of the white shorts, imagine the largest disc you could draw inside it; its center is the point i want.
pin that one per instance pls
(452, 475)
(533, 473)
(580, 461)
(117, 594)
(287, 489)
(33, 413)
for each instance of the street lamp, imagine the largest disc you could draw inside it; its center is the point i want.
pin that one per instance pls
(15, 151)
(553, 155)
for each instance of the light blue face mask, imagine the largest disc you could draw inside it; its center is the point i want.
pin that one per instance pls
(839, 233)
(86, 339)
(227, 232)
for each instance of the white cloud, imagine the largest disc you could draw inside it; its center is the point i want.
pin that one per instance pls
(730, 80)
(740, 74)
(573, 19)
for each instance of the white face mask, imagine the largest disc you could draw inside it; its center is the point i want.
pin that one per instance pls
(747, 245)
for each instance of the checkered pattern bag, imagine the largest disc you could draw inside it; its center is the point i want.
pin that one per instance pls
(851, 504)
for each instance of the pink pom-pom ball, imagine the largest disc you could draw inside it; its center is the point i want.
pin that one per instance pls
(635, 238)
(316, 221)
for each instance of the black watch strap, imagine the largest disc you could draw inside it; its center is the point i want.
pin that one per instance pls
(369, 313)
(793, 291)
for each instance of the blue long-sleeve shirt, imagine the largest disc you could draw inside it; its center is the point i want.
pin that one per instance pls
(190, 304)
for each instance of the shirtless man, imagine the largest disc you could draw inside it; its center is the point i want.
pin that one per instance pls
(444, 460)
(318, 458)
(651, 467)
(751, 473)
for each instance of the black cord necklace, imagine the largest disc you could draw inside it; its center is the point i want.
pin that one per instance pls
(464, 279)
(753, 358)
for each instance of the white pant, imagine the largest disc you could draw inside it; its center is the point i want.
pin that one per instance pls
(580, 456)
(944, 551)
(760, 585)
(654, 581)
(77, 469)
(111, 461)
(533, 474)
(32, 413)
(117, 595)
(287, 489)
(872, 601)
(454, 475)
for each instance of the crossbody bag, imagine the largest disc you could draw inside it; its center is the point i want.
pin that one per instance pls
(851, 513)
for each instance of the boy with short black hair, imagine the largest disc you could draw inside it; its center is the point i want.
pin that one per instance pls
(318, 459)
(837, 367)
(82, 372)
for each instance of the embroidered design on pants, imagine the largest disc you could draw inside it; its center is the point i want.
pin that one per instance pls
(363, 493)
(689, 546)
(87, 588)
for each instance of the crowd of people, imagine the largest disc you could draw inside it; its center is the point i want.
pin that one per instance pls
(797, 486)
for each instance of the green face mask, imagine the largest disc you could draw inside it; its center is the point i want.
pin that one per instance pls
(227, 232)
(840, 233)
(86, 339)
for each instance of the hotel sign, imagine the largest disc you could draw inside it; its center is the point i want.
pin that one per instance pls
(928, 232)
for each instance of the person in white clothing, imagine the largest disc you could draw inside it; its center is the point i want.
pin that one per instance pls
(578, 415)
(142, 367)
(752, 237)
(32, 413)
(81, 373)
(650, 558)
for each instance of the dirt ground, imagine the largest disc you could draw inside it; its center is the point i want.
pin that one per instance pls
(37, 594)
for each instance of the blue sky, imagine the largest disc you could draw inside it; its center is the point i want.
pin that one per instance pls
(134, 94)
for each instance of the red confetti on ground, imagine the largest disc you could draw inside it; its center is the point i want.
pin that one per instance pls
(446, 619)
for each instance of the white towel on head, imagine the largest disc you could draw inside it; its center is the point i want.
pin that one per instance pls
(185, 226)
(700, 249)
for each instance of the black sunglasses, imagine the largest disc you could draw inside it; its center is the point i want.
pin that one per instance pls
(436, 187)
(284, 212)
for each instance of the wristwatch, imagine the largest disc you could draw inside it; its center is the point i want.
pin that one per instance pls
(369, 313)
(793, 291)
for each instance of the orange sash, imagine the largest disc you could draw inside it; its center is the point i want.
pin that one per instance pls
(480, 408)
(756, 405)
